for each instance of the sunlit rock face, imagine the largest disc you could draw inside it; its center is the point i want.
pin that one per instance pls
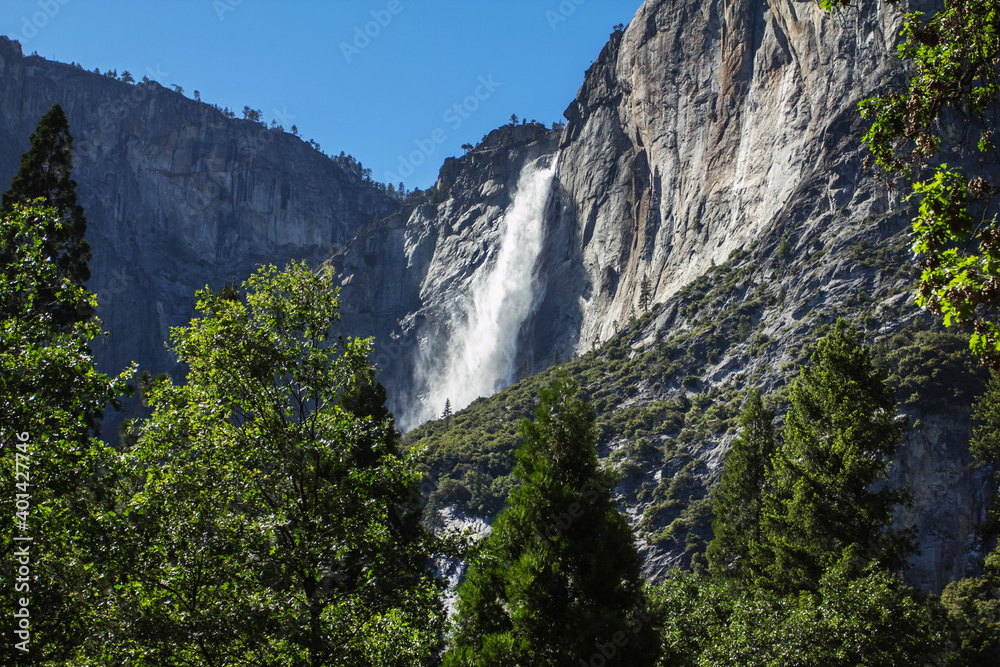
(696, 128)
(704, 123)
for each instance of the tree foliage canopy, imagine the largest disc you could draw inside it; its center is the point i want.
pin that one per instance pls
(51, 394)
(271, 518)
(838, 439)
(938, 134)
(738, 499)
(46, 174)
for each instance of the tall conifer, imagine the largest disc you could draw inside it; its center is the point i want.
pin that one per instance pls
(46, 173)
(738, 498)
(558, 579)
(833, 506)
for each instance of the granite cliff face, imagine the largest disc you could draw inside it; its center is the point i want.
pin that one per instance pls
(696, 128)
(705, 128)
(176, 196)
(702, 129)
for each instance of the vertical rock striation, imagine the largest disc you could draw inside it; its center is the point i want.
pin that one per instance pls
(704, 123)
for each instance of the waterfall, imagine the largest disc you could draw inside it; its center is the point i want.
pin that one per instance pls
(480, 355)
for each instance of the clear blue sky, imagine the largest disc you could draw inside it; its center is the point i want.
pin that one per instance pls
(378, 96)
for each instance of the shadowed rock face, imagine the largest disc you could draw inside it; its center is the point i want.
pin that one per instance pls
(705, 126)
(176, 196)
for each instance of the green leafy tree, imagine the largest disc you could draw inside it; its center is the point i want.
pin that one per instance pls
(557, 581)
(831, 503)
(848, 621)
(985, 444)
(51, 400)
(271, 518)
(973, 610)
(738, 499)
(946, 114)
(46, 174)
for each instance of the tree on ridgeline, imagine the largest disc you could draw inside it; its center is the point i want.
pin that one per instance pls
(645, 294)
(557, 580)
(446, 415)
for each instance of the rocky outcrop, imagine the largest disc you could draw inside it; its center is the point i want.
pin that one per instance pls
(402, 276)
(696, 128)
(177, 196)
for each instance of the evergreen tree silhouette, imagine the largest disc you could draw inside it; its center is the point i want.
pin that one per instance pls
(46, 174)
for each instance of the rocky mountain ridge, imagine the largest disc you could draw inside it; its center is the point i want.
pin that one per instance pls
(177, 196)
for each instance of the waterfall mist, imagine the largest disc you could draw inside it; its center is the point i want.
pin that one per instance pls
(479, 356)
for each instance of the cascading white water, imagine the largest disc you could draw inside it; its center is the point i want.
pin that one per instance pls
(482, 346)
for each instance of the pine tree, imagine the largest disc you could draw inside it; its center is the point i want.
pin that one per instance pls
(837, 439)
(46, 173)
(446, 415)
(558, 578)
(737, 499)
(52, 399)
(645, 294)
